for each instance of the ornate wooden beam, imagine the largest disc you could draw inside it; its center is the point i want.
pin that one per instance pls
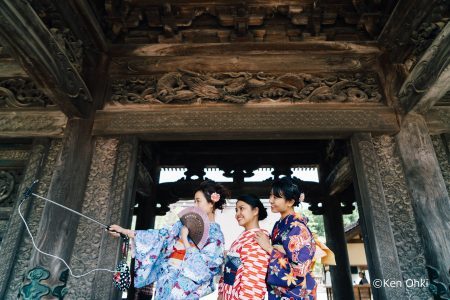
(31, 123)
(404, 20)
(221, 121)
(43, 58)
(429, 80)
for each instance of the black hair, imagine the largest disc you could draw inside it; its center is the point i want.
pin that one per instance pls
(254, 202)
(288, 188)
(209, 187)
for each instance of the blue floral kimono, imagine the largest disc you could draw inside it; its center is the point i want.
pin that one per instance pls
(289, 275)
(160, 257)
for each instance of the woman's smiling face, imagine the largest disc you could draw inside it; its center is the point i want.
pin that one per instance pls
(245, 214)
(279, 204)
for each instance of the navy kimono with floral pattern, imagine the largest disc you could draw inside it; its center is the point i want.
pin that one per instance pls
(289, 275)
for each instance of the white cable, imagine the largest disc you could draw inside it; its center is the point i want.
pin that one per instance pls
(51, 255)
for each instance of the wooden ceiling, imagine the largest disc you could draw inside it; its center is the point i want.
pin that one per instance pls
(177, 21)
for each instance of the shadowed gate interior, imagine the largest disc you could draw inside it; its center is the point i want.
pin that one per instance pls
(331, 197)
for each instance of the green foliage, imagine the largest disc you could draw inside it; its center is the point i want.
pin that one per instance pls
(350, 219)
(315, 223)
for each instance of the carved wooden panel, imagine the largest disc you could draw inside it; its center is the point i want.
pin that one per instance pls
(21, 93)
(32, 123)
(243, 87)
(10, 180)
(16, 249)
(402, 219)
(107, 199)
(85, 255)
(376, 223)
(119, 212)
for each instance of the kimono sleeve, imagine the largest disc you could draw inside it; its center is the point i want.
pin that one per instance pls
(150, 248)
(254, 269)
(202, 265)
(285, 269)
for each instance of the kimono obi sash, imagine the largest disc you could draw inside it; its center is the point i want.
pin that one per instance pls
(232, 264)
(178, 253)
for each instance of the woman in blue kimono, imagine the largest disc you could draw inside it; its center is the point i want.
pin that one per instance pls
(292, 247)
(168, 258)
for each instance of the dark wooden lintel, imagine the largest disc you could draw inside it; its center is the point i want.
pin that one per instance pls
(225, 122)
(268, 62)
(249, 48)
(308, 57)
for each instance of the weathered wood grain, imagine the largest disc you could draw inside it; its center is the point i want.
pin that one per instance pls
(429, 194)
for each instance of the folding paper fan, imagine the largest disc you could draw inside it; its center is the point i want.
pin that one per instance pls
(196, 220)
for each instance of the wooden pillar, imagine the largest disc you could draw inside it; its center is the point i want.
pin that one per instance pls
(108, 198)
(341, 279)
(378, 237)
(430, 197)
(149, 171)
(57, 228)
(9, 249)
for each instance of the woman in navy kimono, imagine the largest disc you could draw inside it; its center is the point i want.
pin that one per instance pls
(170, 259)
(292, 247)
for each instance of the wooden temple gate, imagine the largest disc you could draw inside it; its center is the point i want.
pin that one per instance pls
(96, 96)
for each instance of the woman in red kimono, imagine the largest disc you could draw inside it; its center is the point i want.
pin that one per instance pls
(246, 262)
(292, 247)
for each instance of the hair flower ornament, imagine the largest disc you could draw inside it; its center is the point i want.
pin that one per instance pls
(215, 197)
